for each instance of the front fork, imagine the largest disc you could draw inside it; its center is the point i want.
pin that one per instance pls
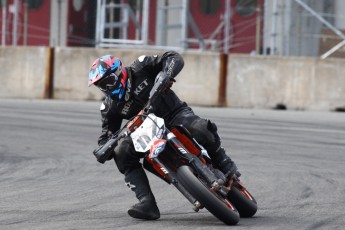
(201, 169)
(212, 181)
(196, 204)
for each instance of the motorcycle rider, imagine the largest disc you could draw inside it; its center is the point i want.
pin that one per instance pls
(127, 90)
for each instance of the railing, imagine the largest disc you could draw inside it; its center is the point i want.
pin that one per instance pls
(106, 25)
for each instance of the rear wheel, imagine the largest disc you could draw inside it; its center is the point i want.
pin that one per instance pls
(213, 202)
(244, 202)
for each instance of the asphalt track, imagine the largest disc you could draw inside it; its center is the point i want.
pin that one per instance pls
(291, 161)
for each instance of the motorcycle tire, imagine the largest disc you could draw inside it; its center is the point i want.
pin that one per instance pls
(214, 203)
(244, 202)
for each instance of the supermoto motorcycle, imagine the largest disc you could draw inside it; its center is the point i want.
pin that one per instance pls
(176, 157)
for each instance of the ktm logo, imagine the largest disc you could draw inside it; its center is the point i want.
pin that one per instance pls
(140, 87)
(182, 150)
(164, 170)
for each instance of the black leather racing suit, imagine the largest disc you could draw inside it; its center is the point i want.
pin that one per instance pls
(142, 73)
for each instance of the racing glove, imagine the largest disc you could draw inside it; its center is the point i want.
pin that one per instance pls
(105, 152)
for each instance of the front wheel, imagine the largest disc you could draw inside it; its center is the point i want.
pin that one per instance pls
(212, 201)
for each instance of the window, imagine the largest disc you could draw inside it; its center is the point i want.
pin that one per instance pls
(2, 1)
(78, 5)
(245, 7)
(209, 7)
(34, 4)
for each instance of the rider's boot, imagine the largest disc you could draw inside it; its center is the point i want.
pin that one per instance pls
(218, 155)
(224, 163)
(146, 208)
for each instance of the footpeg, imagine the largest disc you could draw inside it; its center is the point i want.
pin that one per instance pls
(197, 206)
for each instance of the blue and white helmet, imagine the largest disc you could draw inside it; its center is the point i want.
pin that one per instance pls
(108, 74)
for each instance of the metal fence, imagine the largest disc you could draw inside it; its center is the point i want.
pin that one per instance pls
(280, 27)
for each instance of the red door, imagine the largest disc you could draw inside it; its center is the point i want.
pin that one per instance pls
(32, 29)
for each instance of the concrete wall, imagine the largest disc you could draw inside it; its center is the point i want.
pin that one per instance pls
(252, 81)
(24, 72)
(297, 82)
(71, 71)
(197, 83)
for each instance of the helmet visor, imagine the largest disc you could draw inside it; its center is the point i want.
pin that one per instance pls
(107, 83)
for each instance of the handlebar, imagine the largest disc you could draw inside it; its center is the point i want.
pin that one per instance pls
(161, 83)
(104, 152)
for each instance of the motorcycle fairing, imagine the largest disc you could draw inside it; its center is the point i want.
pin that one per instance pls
(186, 139)
(149, 131)
(157, 147)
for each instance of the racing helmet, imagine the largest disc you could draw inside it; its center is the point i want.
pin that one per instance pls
(108, 74)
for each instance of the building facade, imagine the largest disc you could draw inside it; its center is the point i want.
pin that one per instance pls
(271, 27)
